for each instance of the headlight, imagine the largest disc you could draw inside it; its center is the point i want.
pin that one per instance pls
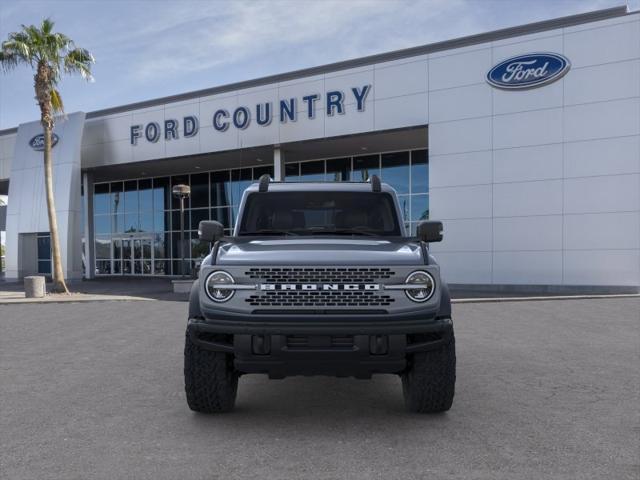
(214, 286)
(425, 286)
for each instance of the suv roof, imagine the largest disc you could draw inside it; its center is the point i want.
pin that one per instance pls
(320, 186)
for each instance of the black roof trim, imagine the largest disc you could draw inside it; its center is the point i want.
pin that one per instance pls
(519, 30)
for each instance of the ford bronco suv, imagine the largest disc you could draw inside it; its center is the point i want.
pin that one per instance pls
(319, 279)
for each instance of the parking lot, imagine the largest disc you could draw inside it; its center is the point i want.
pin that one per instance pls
(545, 389)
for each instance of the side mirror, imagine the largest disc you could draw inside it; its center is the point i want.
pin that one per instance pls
(429, 231)
(210, 231)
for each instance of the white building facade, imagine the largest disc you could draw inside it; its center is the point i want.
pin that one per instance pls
(524, 142)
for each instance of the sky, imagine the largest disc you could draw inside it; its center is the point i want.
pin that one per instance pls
(153, 48)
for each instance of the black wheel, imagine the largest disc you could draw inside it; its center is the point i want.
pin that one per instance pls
(210, 380)
(429, 381)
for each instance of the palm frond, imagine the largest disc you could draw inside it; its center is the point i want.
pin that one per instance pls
(41, 47)
(8, 60)
(79, 60)
(56, 101)
(47, 26)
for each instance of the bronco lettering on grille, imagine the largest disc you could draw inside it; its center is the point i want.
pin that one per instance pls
(319, 286)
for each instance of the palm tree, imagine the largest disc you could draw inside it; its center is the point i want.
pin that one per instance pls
(50, 55)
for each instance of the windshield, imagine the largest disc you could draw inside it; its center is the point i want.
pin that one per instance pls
(319, 213)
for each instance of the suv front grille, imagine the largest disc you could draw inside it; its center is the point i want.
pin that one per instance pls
(299, 298)
(319, 274)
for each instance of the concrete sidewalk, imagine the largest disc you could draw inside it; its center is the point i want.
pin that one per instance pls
(103, 289)
(19, 297)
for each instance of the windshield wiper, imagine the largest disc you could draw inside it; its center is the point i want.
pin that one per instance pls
(269, 231)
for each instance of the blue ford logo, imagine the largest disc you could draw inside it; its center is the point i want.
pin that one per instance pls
(37, 142)
(528, 71)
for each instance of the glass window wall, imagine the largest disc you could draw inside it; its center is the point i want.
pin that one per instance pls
(137, 222)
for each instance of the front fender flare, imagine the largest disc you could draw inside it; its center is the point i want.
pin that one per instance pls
(194, 301)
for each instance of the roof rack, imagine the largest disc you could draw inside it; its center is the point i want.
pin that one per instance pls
(265, 180)
(264, 183)
(375, 184)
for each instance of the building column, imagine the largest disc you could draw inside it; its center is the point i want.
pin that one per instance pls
(87, 212)
(278, 164)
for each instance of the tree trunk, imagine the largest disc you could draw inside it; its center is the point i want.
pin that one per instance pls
(59, 284)
(43, 95)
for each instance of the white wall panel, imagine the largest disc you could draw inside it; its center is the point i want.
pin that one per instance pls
(460, 202)
(527, 268)
(507, 101)
(145, 150)
(92, 155)
(460, 103)
(94, 132)
(264, 94)
(118, 127)
(351, 122)
(407, 111)
(602, 267)
(303, 129)
(212, 140)
(182, 145)
(344, 82)
(603, 45)
(212, 105)
(465, 267)
(117, 152)
(609, 156)
(527, 198)
(403, 79)
(471, 235)
(601, 120)
(7, 145)
(527, 128)
(602, 82)
(598, 231)
(255, 135)
(540, 162)
(299, 89)
(528, 233)
(459, 69)
(615, 193)
(470, 168)
(549, 41)
(5, 167)
(460, 136)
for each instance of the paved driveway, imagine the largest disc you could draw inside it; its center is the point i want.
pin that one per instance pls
(546, 389)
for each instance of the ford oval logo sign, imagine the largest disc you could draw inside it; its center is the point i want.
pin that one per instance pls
(37, 142)
(528, 71)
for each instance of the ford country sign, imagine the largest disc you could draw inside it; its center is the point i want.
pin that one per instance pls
(528, 71)
(37, 142)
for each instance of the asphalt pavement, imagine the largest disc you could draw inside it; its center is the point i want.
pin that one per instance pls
(545, 389)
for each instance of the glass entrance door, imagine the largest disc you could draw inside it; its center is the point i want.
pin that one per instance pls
(133, 256)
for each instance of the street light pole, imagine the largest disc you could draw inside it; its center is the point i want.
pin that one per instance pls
(181, 192)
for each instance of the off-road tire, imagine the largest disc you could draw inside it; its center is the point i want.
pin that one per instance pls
(210, 380)
(428, 383)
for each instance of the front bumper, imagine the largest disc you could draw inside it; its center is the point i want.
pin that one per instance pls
(357, 348)
(321, 323)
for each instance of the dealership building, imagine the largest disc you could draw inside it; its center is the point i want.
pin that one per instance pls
(524, 142)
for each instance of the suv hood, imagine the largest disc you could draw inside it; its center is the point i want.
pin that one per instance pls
(320, 251)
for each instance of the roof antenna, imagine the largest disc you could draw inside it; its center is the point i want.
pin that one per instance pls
(375, 184)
